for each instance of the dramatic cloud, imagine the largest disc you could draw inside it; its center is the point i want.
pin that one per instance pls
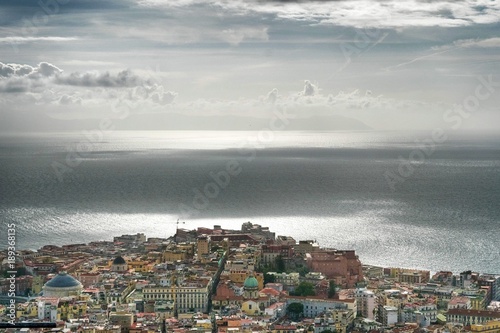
(18, 78)
(44, 69)
(229, 58)
(46, 84)
(123, 79)
(359, 14)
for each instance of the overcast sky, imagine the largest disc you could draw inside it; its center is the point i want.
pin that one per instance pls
(385, 64)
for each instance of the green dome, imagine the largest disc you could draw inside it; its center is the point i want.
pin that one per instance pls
(251, 282)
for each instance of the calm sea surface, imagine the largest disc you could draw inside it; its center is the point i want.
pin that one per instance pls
(325, 186)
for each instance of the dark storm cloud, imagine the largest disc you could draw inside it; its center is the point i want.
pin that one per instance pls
(14, 10)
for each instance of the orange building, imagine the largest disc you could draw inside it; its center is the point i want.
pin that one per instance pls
(342, 266)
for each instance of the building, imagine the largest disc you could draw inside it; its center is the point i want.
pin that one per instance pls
(488, 327)
(342, 266)
(119, 265)
(389, 315)
(410, 276)
(203, 246)
(253, 304)
(239, 276)
(459, 302)
(315, 306)
(62, 285)
(366, 302)
(305, 246)
(88, 279)
(271, 252)
(471, 317)
(138, 238)
(188, 297)
(492, 281)
(122, 319)
(288, 280)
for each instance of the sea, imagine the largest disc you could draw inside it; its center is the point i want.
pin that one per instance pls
(399, 199)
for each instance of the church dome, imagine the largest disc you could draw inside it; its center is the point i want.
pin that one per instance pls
(63, 280)
(119, 261)
(62, 285)
(251, 282)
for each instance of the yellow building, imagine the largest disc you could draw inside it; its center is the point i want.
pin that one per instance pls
(488, 327)
(27, 310)
(37, 284)
(479, 302)
(188, 247)
(394, 302)
(253, 304)
(204, 324)
(140, 265)
(202, 246)
(252, 308)
(70, 309)
(174, 255)
(239, 276)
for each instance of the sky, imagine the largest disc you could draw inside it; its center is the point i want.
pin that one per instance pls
(212, 64)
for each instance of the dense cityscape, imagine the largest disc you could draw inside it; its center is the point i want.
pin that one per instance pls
(247, 280)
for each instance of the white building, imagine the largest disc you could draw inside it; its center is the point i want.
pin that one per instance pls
(366, 302)
(389, 315)
(187, 298)
(314, 306)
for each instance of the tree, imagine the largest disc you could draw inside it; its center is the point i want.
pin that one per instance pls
(302, 270)
(332, 289)
(269, 278)
(295, 309)
(280, 264)
(304, 289)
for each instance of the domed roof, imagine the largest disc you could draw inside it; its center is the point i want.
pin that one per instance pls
(251, 282)
(119, 261)
(63, 280)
